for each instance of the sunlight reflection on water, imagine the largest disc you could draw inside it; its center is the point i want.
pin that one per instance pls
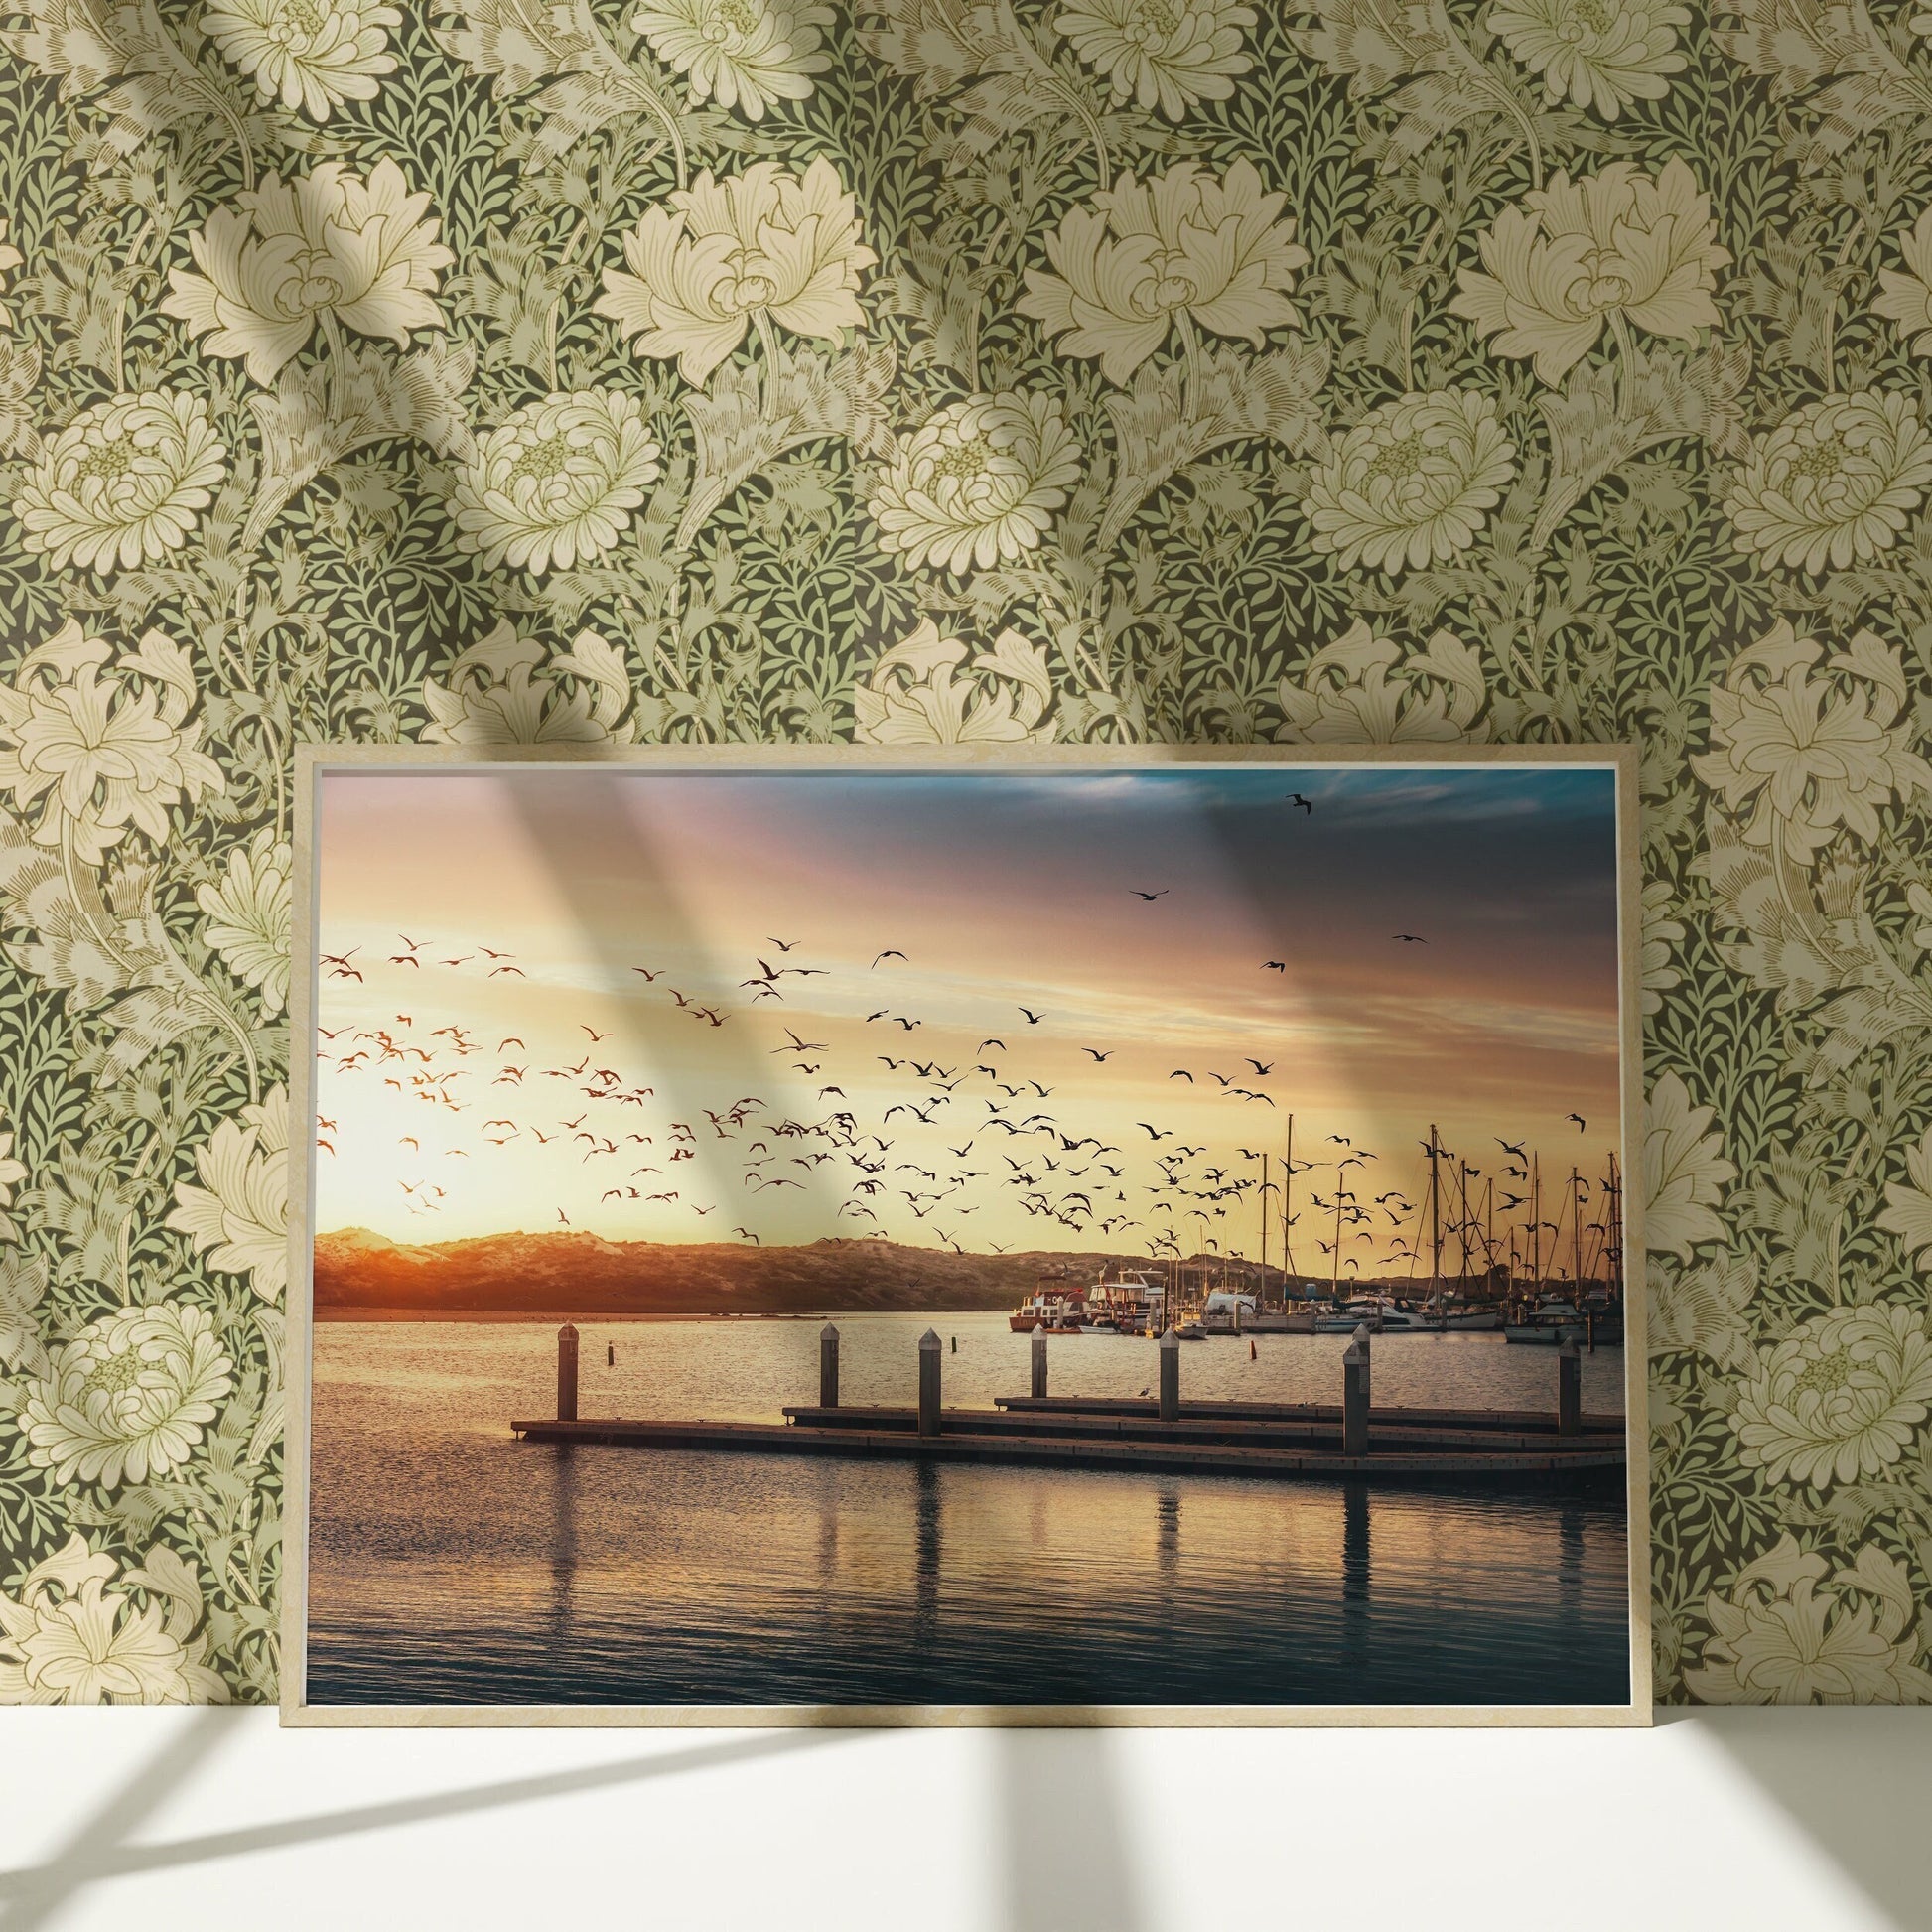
(451, 1563)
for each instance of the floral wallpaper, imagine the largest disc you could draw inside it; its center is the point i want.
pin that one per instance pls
(553, 370)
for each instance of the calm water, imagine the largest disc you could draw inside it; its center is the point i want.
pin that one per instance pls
(452, 1564)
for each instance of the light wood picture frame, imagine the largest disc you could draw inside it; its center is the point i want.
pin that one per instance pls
(1015, 1473)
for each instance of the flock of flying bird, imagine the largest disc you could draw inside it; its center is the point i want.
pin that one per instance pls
(920, 1148)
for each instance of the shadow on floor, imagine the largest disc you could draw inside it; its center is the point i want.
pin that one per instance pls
(1065, 1853)
(1857, 1782)
(31, 1895)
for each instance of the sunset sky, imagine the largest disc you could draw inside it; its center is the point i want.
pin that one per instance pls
(1003, 889)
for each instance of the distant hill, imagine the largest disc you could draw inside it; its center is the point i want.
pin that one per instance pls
(583, 1274)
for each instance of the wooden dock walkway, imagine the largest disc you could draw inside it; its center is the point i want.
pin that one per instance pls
(1346, 1442)
(1588, 1466)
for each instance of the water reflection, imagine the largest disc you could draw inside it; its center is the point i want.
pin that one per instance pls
(1166, 1532)
(925, 1518)
(560, 1473)
(452, 1564)
(1354, 1542)
(1570, 1567)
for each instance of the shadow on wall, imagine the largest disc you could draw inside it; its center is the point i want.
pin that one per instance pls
(1856, 1782)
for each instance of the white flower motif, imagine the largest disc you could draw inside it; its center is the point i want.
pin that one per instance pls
(1908, 1210)
(1684, 1169)
(314, 53)
(494, 693)
(557, 483)
(12, 1173)
(727, 254)
(1168, 54)
(1219, 253)
(1907, 298)
(913, 696)
(249, 916)
(1806, 755)
(292, 252)
(1359, 689)
(1661, 933)
(105, 753)
(1839, 1398)
(1600, 53)
(23, 1287)
(10, 259)
(1834, 484)
(743, 54)
(239, 1216)
(977, 484)
(124, 481)
(126, 1400)
(1412, 483)
(1792, 1631)
(67, 1638)
(1577, 256)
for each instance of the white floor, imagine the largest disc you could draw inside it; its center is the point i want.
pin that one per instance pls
(1736, 1822)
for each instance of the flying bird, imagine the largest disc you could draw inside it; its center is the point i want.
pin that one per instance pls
(1294, 798)
(1412, 938)
(1578, 1119)
(1099, 1057)
(1151, 897)
(891, 952)
(1261, 1070)
(1032, 1019)
(1274, 965)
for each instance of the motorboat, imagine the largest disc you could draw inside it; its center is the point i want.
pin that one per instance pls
(1549, 1323)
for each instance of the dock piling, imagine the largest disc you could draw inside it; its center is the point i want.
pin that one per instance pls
(1040, 1363)
(1355, 1395)
(828, 1367)
(1569, 1388)
(929, 1347)
(567, 1373)
(1171, 1377)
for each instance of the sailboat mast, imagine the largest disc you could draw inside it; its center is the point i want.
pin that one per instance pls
(1463, 1222)
(1576, 1236)
(1536, 1221)
(1335, 1272)
(1262, 1303)
(1288, 1190)
(1435, 1221)
(1488, 1234)
(1614, 1233)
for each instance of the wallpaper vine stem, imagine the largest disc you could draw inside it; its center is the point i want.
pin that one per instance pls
(924, 370)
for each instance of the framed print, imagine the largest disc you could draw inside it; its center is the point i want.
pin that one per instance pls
(1010, 1235)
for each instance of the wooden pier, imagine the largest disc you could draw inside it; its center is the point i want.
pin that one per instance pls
(1350, 1441)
